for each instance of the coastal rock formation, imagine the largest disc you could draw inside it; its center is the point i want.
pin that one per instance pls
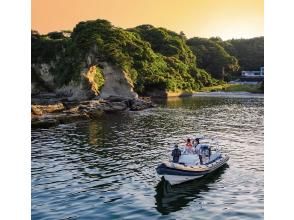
(140, 104)
(54, 114)
(42, 78)
(96, 53)
(117, 83)
(109, 80)
(42, 109)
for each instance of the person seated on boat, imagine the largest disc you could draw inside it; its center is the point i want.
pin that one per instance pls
(189, 146)
(196, 145)
(204, 153)
(198, 150)
(176, 153)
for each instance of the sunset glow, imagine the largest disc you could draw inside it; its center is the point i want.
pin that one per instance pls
(203, 18)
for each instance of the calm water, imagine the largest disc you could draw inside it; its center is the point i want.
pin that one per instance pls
(105, 169)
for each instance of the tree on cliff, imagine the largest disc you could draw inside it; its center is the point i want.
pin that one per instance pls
(153, 58)
(213, 57)
(249, 52)
(180, 59)
(168, 67)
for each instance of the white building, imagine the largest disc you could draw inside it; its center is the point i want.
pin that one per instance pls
(257, 74)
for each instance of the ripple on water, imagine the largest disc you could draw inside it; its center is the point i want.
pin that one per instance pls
(104, 169)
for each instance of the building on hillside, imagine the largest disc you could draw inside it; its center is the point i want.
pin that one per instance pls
(256, 74)
(251, 77)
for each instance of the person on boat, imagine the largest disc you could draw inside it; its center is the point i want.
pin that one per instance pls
(189, 146)
(176, 153)
(197, 147)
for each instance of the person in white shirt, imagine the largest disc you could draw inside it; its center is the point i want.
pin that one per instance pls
(197, 147)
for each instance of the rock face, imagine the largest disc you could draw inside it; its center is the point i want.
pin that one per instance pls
(113, 82)
(117, 83)
(97, 88)
(42, 79)
(87, 87)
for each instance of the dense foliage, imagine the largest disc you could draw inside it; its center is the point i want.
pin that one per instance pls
(169, 68)
(45, 49)
(249, 52)
(165, 42)
(154, 58)
(182, 68)
(212, 57)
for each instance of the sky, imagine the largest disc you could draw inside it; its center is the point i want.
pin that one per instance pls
(202, 18)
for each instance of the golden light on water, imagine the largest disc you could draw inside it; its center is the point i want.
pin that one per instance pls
(203, 18)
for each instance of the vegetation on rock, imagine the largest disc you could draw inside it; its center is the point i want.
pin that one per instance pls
(182, 70)
(155, 59)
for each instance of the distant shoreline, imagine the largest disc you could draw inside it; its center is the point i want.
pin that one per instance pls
(219, 90)
(228, 94)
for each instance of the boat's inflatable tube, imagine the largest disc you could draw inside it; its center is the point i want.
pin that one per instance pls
(170, 168)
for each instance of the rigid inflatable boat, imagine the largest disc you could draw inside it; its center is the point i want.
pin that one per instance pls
(190, 167)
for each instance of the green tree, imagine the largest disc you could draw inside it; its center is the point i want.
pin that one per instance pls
(249, 52)
(212, 57)
(153, 58)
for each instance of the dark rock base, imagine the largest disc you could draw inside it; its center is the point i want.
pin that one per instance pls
(44, 116)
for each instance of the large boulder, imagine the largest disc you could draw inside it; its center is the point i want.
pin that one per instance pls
(140, 104)
(41, 109)
(115, 107)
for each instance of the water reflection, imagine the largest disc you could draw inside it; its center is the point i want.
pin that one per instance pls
(173, 198)
(105, 168)
(193, 102)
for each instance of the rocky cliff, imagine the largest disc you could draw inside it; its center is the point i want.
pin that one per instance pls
(99, 61)
(137, 60)
(117, 83)
(94, 82)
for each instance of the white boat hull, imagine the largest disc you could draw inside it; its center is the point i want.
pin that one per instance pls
(175, 179)
(176, 173)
